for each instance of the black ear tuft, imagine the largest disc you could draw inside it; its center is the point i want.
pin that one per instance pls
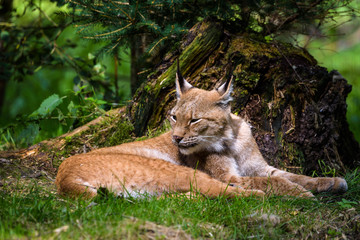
(226, 88)
(179, 78)
(182, 85)
(225, 91)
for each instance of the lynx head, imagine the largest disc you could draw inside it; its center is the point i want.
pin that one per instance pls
(201, 119)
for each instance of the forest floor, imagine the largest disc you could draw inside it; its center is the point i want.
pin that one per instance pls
(30, 208)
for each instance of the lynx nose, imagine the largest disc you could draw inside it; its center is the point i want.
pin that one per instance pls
(177, 139)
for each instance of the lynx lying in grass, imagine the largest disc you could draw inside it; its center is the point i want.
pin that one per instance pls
(209, 150)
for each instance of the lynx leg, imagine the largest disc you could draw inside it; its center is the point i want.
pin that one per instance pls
(272, 185)
(190, 180)
(208, 186)
(75, 187)
(319, 184)
(251, 163)
(132, 175)
(225, 170)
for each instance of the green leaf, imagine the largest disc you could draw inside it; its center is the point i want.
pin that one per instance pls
(91, 56)
(95, 101)
(346, 203)
(47, 106)
(100, 102)
(60, 115)
(72, 108)
(28, 134)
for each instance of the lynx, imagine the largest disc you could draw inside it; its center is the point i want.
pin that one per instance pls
(209, 150)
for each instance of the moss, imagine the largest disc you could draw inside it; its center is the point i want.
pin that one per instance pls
(249, 48)
(73, 146)
(124, 133)
(199, 49)
(109, 132)
(293, 156)
(246, 79)
(68, 138)
(151, 133)
(253, 47)
(289, 157)
(159, 112)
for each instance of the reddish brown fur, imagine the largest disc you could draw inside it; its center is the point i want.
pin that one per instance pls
(205, 137)
(123, 172)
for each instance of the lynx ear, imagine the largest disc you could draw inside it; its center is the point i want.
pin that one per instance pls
(225, 91)
(182, 85)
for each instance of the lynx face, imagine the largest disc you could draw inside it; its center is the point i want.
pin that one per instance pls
(200, 119)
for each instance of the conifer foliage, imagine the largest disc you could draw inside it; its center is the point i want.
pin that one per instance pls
(163, 21)
(150, 28)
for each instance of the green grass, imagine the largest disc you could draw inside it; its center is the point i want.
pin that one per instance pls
(34, 211)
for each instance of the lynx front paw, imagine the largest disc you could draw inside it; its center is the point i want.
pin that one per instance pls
(235, 190)
(331, 185)
(283, 186)
(253, 192)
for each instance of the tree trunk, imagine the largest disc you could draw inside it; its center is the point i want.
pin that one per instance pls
(135, 52)
(139, 60)
(296, 108)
